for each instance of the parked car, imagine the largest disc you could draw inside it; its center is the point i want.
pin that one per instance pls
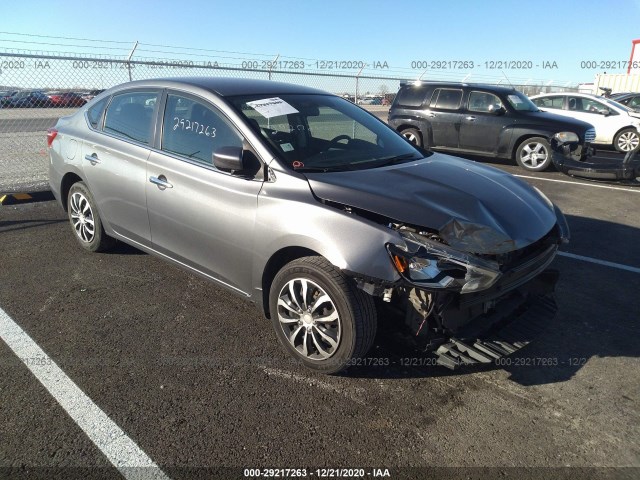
(615, 124)
(88, 96)
(27, 99)
(5, 95)
(311, 207)
(66, 99)
(630, 100)
(484, 120)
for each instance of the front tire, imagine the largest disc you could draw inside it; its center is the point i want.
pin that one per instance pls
(320, 317)
(534, 154)
(626, 140)
(85, 220)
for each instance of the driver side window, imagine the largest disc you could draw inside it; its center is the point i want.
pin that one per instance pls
(195, 130)
(482, 101)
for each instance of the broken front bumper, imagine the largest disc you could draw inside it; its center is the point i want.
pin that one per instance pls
(512, 325)
(627, 171)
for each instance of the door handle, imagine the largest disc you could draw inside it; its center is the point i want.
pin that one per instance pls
(471, 118)
(431, 114)
(93, 158)
(161, 181)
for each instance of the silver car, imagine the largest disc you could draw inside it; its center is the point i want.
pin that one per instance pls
(313, 209)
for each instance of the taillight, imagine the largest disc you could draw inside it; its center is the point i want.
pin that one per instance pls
(51, 134)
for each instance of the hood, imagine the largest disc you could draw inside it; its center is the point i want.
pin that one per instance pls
(474, 208)
(634, 113)
(559, 120)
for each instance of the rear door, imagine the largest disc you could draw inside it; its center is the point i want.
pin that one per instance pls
(114, 156)
(481, 128)
(445, 115)
(200, 216)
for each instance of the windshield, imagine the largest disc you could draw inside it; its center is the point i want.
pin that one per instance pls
(521, 102)
(620, 105)
(323, 132)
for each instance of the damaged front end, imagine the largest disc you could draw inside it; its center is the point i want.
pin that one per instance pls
(466, 307)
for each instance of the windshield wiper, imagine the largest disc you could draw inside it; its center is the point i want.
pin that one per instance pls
(384, 161)
(337, 168)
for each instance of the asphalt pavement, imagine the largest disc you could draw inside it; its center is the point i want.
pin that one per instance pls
(194, 375)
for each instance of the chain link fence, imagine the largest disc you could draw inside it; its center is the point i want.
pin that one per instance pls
(37, 89)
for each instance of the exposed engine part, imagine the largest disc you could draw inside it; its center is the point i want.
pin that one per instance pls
(433, 236)
(420, 307)
(386, 296)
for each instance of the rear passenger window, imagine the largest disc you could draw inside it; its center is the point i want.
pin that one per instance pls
(195, 130)
(412, 96)
(129, 115)
(446, 98)
(94, 114)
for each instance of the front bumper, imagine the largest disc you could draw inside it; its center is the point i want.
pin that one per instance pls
(626, 171)
(513, 324)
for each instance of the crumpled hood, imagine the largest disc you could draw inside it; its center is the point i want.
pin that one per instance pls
(475, 208)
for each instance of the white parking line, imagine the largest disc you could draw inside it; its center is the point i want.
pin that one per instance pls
(600, 262)
(609, 187)
(121, 451)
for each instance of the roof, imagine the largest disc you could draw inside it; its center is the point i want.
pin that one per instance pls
(225, 86)
(573, 94)
(486, 86)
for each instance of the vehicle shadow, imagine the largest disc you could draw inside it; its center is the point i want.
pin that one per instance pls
(596, 318)
(15, 225)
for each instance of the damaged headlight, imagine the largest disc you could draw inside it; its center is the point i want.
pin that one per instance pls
(431, 264)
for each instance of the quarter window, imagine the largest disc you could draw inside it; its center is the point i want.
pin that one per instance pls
(446, 98)
(482, 101)
(130, 115)
(412, 96)
(95, 112)
(195, 130)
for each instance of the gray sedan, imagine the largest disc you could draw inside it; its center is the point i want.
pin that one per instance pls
(313, 209)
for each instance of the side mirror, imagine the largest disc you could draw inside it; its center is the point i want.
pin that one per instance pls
(605, 111)
(497, 109)
(228, 159)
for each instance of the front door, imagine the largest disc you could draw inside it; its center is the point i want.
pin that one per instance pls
(481, 129)
(201, 216)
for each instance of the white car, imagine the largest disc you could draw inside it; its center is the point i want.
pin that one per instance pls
(615, 124)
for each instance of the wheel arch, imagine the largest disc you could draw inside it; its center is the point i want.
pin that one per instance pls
(275, 263)
(518, 141)
(66, 183)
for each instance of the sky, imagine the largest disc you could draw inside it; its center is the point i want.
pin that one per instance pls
(514, 39)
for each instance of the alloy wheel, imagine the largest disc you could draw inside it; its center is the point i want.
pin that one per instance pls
(534, 154)
(628, 141)
(82, 217)
(309, 319)
(411, 137)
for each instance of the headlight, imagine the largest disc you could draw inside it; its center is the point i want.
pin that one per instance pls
(432, 264)
(566, 137)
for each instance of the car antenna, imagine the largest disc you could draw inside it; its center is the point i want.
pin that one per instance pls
(505, 76)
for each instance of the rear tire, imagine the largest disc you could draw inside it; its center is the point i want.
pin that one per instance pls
(413, 135)
(534, 154)
(327, 336)
(85, 220)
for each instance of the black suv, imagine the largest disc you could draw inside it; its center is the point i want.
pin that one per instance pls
(483, 120)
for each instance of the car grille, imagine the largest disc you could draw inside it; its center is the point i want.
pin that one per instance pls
(590, 135)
